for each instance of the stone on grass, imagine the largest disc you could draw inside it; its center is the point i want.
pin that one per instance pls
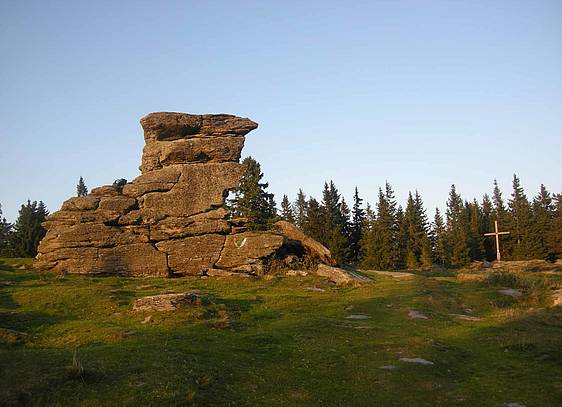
(466, 317)
(340, 276)
(399, 275)
(413, 314)
(388, 367)
(358, 317)
(418, 361)
(168, 302)
(512, 292)
(315, 289)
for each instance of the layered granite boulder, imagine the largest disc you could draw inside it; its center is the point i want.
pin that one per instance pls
(172, 220)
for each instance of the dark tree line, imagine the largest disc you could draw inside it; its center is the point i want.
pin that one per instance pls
(389, 237)
(385, 236)
(22, 238)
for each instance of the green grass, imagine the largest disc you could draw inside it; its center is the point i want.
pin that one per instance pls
(272, 342)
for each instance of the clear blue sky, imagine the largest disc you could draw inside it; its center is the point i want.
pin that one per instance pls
(421, 93)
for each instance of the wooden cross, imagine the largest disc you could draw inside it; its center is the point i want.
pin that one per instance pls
(497, 235)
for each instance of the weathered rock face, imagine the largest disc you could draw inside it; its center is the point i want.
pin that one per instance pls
(171, 219)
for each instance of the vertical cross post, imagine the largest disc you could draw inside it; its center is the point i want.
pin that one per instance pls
(497, 234)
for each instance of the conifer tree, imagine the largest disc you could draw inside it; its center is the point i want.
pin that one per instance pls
(28, 230)
(519, 221)
(334, 224)
(368, 248)
(5, 232)
(287, 210)
(379, 245)
(357, 223)
(410, 235)
(475, 237)
(346, 222)
(300, 209)
(251, 200)
(499, 205)
(416, 240)
(402, 239)
(313, 222)
(487, 226)
(541, 226)
(423, 230)
(440, 244)
(457, 230)
(553, 237)
(81, 189)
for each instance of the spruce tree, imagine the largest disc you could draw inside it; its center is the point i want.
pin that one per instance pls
(553, 237)
(28, 230)
(475, 237)
(457, 229)
(357, 223)
(440, 243)
(251, 200)
(300, 209)
(423, 230)
(519, 221)
(487, 227)
(416, 239)
(313, 222)
(81, 189)
(287, 210)
(402, 240)
(499, 205)
(541, 226)
(412, 250)
(368, 249)
(334, 225)
(346, 223)
(5, 232)
(379, 245)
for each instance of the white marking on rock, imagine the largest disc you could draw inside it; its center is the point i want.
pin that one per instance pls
(241, 245)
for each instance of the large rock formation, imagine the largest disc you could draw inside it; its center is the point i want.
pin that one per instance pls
(171, 220)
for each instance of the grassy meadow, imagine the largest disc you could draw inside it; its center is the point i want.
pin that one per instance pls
(73, 340)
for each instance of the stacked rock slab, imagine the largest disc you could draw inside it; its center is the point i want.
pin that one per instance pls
(170, 220)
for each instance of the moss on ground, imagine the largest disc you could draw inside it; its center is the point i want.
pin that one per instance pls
(73, 340)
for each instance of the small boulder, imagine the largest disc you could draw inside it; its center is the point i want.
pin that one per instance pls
(358, 317)
(413, 314)
(311, 246)
(418, 361)
(512, 292)
(168, 302)
(340, 276)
